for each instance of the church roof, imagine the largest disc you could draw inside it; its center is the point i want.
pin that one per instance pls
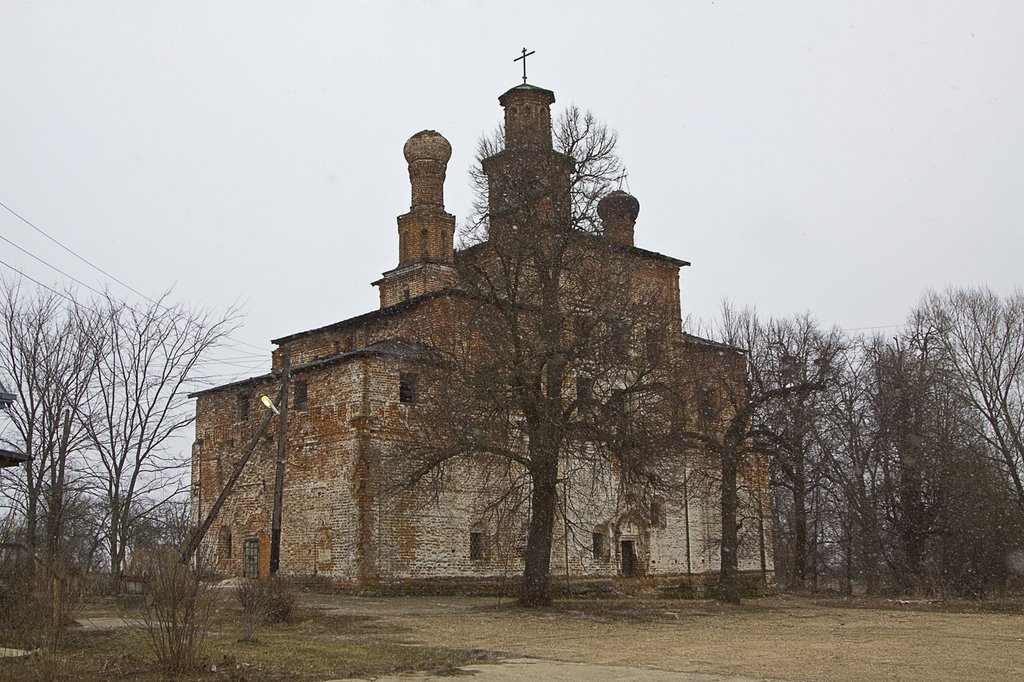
(359, 320)
(635, 250)
(708, 343)
(397, 349)
(526, 89)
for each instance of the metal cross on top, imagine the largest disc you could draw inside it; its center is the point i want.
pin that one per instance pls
(523, 58)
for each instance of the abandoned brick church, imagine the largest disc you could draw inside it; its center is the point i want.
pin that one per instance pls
(354, 388)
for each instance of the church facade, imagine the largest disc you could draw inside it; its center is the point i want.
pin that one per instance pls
(356, 392)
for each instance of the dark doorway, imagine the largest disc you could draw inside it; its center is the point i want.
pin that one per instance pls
(251, 560)
(628, 559)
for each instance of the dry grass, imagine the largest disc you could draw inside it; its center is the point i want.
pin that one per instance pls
(315, 646)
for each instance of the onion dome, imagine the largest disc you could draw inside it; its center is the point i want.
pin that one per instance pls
(617, 206)
(427, 144)
(618, 212)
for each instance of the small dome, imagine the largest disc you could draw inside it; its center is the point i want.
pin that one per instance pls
(427, 144)
(618, 205)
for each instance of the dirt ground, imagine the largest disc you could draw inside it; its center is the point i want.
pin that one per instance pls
(777, 638)
(577, 640)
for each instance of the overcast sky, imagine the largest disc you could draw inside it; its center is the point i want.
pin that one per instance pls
(839, 158)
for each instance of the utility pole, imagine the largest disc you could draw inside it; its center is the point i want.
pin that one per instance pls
(192, 544)
(282, 441)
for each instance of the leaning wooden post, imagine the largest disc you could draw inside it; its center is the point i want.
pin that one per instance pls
(282, 440)
(192, 544)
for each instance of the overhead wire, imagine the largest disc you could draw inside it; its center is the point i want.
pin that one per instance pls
(73, 253)
(251, 356)
(29, 277)
(90, 264)
(51, 266)
(229, 375)
(235, 345)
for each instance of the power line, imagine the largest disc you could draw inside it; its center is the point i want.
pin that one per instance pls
(90, 264)
(73, 253)
(239, 358)
(226, 361)
(881, 326)
(53, 267)
(246, 366)
(206, 379)
(50, 289)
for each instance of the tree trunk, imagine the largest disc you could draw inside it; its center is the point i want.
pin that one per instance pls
(115, 548)
(798, 577)
(544, 504)
(31, 523)
(728, 580)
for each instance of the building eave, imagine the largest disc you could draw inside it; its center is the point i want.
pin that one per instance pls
(710, 344)
(397, 349)
(234, 384)
(397, 309)
(12, 458)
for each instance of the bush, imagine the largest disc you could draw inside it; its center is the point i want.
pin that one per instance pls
(36, 607)
(266, 600)
(177, 612)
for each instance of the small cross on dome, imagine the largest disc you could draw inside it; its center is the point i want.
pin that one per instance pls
(523, 58)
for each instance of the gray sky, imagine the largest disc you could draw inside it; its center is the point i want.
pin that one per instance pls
(833, 157)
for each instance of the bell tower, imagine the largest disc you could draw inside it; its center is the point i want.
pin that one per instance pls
(527, 181)
(426, 233)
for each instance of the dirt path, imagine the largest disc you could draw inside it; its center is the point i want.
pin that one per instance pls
(558, 671)
(775, 638)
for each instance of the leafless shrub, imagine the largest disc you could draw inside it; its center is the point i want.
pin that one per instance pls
(177, 612)
(35, 611)
(19, 608)
(266, 600)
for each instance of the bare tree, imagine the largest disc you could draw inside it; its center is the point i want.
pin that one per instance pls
(910, 496)
(138, 405)
(50, 353)
(798, 355)
(551, 367)
(983, 336)
(947, 498)
(785, 363)
(846, 431)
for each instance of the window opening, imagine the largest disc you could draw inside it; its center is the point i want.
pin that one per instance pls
(225, 542)
(476, 546)
(619, 338)
(707, 404)
(242, 407)
(599, 546)
(300, 395)
(584, 389)
(652, 344)
(251, 565)
(657, 514)
(628, 558)
(407, 385)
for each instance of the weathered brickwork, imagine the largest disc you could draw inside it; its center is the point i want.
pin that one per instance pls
(350, 421)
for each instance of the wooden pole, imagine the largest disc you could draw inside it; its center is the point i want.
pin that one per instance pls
(282, 441)
(192, 544)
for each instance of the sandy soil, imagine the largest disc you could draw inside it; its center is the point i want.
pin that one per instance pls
(779, 638)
